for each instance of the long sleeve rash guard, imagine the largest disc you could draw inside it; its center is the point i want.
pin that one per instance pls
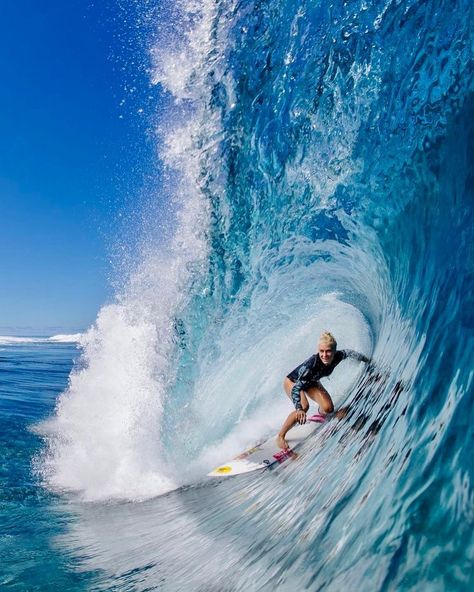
(310, 371)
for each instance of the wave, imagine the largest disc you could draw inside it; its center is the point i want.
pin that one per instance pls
(62, 338)
(66, 338)
(321, 179)
(319, 159)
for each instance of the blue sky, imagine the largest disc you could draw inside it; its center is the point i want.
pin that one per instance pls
(73, 156)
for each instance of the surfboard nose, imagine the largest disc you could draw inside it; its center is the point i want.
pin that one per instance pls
(317, 418)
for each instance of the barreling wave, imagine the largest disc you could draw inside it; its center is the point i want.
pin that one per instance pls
(320, 159)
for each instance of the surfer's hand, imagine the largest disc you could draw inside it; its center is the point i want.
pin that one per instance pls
(300, 416)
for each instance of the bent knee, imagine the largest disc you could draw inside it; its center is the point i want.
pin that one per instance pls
(327, 407)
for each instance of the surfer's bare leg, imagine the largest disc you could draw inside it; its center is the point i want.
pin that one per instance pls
(294, 417)
(320, 396)
(317, 393)
(290, 421)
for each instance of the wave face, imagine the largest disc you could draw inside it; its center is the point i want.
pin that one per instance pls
(319, 158)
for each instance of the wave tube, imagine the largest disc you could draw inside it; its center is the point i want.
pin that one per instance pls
(321, 164)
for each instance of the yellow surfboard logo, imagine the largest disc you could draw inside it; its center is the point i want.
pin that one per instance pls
(225, 469)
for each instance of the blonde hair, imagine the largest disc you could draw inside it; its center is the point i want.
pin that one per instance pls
(328, 339)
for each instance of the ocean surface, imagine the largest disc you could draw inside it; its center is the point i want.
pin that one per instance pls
(317, 171)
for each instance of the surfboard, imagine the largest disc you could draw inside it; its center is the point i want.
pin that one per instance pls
(266, 453)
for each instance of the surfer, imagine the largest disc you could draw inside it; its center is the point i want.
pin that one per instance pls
(303, 382)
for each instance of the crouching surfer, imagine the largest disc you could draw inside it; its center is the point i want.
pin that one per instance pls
(303, 382)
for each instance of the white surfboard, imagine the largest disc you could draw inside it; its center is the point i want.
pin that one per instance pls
(266, 453)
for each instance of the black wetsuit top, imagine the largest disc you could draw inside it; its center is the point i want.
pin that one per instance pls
(309, 372)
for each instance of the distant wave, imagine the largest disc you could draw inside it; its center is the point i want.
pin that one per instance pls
(13, 340)
(72, 338)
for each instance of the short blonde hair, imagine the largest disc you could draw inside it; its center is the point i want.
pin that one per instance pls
(328, 339)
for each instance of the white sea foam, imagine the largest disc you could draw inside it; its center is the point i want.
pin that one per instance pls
(108, 419)
(107, 429)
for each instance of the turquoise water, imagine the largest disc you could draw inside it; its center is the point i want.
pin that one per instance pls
(319, 172)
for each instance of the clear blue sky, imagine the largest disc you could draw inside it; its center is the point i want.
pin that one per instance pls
(73, 155)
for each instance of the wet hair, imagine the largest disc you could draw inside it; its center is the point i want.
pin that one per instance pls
(328, 339)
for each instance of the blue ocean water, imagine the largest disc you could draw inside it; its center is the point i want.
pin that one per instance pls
(319, 166)
(32, 375)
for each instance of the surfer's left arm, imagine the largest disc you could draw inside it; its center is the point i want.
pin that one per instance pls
(372, 368)
(350, 353)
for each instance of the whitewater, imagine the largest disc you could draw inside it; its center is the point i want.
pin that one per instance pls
(319, 176)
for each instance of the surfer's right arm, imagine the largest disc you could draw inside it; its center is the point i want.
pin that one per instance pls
(298, 386)
(296, 398)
